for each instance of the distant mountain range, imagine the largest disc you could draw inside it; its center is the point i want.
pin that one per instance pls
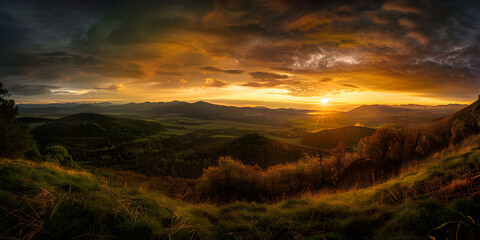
(198, 110)
(367, 115)
(376, 115)
(439, 109)
(373, 115)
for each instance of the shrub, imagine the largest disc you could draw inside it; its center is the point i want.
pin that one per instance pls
(33, 153)
(232, 180)
(15, 140)
(60, 156)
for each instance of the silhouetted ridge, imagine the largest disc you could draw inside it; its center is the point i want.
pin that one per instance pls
(330, 138)
(199, 110)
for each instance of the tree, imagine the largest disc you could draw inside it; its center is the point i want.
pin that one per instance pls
(476, 110)
(15, 139)
(400, 134)
(462, 128)
(413, 140)
(8, 110)
(338, 154)
(378, 149)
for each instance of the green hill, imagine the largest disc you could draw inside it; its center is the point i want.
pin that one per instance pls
(186, 155)
(31, 120)
(438, 198)
(96, 125)
(253, 149)
(330, 138)
(87, 131)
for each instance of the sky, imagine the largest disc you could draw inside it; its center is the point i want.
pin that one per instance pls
(274, 53)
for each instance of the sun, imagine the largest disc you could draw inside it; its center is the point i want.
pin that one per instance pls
(324, 100)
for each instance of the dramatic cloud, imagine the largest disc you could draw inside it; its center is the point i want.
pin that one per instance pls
(114, 87)
(214, 69)
(271, 83)
(406, 23)
(115, 70)
(396, 6)
(267, 76)
(209, 82)
(348, 85)
(30, 89)
(278, 49)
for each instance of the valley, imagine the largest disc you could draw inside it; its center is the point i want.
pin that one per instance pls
(190, 168)
(239, 120)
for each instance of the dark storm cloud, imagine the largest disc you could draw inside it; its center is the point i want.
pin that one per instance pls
(25, 64)
(115, 70)
(425, 47)
(30, 89)
(214, 69)
(400, 7)
(63, 57)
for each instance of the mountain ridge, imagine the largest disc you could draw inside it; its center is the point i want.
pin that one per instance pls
(330, 138)
(199, 109)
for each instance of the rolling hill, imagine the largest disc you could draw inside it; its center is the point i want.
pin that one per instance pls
(254, 149)
(87, 131)
(330, 138)
(96, 125)
(186, 155)
(31, 120)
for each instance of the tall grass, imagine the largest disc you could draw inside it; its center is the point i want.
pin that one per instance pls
(45, 201)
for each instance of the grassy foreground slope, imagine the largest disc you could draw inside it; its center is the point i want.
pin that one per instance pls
(440, 197)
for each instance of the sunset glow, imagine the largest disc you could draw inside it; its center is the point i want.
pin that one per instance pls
(239, 119)
(274, 53)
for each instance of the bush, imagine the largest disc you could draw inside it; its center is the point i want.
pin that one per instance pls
(15, 140)
(33, 153)
(60, 156)
(232, 180)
